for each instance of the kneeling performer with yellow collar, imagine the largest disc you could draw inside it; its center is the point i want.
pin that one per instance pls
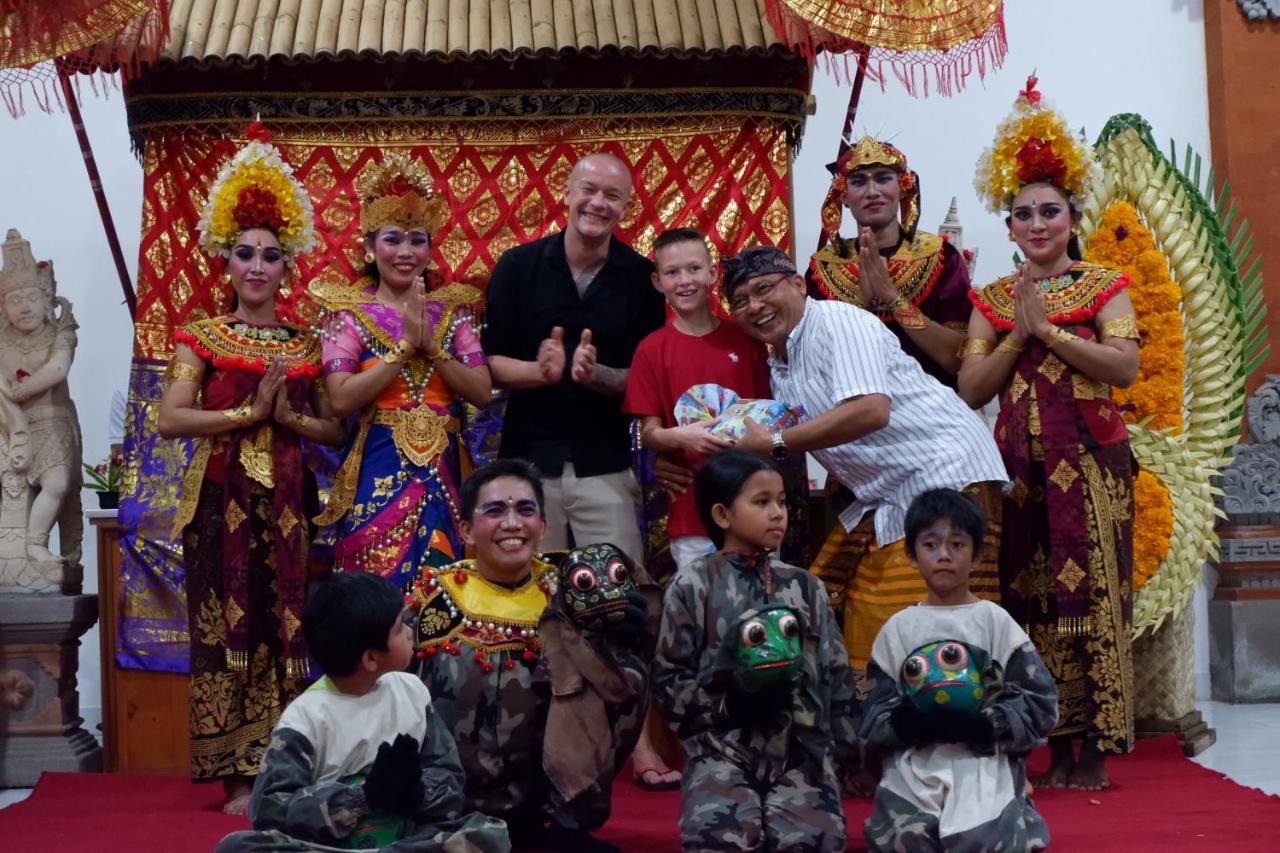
(535, 668)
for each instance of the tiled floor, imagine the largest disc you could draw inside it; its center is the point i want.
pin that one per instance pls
(1248, 747)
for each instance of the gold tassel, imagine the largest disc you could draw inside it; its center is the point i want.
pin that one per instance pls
(299, 668)
(1075, 626)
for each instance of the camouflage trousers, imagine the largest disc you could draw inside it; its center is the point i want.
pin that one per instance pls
(473, 834)
(896, 824)
(724, 806)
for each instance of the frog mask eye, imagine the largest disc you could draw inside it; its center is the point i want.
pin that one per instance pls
(914, 670)
(753, 633)
(951, 657)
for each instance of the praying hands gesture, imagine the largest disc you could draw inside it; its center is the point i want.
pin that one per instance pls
(413, 315)
(875, 285)
(264, 401)
(1029, 320)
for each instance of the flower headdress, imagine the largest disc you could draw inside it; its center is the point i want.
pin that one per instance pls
(398, 191)
(871, 152)
(1033, 144)
(256, 189)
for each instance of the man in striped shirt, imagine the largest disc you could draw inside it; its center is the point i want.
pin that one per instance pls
(878, 423)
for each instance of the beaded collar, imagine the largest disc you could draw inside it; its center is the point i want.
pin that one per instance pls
(232, 344)
(358, 301)
(457, 607)
(1071, 297)
(915, 267)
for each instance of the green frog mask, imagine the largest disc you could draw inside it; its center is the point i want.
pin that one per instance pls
(942, 674)
(594, 583)
(767, 649)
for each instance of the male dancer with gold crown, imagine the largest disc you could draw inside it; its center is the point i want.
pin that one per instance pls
(916, 282)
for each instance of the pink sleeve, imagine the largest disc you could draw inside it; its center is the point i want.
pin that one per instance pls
(466, 345)
(340, 345)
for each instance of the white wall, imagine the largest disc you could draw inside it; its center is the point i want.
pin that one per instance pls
(1094, 58)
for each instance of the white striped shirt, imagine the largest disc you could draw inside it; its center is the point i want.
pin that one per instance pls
(933, 440)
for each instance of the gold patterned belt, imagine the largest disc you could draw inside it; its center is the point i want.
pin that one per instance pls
(419, 433)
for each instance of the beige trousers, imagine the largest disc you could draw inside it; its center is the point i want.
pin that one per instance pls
(597, 509)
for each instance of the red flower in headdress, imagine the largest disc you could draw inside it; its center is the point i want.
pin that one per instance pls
(257, 132)
(1037, 162)
(1030, 92)
(257, 207)
(399, 187)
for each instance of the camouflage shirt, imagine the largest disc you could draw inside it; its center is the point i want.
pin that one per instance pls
(703, 604)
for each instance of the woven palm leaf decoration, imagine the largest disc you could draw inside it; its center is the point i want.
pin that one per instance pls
(1198, 298)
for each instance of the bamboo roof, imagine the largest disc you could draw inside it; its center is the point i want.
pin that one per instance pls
(210, 30)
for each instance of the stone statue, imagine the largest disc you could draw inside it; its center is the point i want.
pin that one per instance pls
(1251, 484)
(39, 433)
(42, 611)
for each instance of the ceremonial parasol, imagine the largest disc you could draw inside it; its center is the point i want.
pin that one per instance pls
(941, 42)
(76, 34)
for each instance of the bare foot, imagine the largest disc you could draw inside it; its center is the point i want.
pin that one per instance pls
(1090, 773)
(649, 770)
(238, 789)
(1061, 764)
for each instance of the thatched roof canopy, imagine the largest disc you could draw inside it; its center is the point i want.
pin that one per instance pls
(331, 61)
(204, 30)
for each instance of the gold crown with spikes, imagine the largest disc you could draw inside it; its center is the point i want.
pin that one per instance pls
(871, 152)
(398, 191)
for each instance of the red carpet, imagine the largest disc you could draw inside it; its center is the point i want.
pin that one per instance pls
(1160, 801)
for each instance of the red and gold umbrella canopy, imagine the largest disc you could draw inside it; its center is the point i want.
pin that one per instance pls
(32, 31)
(921, 41)
(80, 34)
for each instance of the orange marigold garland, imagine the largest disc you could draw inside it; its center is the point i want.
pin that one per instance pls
(1122, 242)
(1152, 526)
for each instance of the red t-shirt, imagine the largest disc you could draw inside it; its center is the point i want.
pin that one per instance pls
(667, 363)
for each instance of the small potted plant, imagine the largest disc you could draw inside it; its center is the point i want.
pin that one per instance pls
(104, 478)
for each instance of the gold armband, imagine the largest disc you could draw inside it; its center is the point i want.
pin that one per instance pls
(180, 371)
(1007, 345)
(1121, 327)
(1058, 337)
(976, 346)
(241, 415)
(398, 353)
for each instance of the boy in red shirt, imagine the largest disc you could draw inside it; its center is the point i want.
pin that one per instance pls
(695, 348)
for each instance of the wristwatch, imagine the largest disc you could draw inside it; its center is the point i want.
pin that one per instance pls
(779, 450)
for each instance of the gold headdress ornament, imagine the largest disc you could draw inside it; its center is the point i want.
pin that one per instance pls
(871, 152)
(21, 270)
(1033, 145)
(398, 191)
(256, 189)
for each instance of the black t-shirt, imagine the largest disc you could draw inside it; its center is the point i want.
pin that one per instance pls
(531, 291)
